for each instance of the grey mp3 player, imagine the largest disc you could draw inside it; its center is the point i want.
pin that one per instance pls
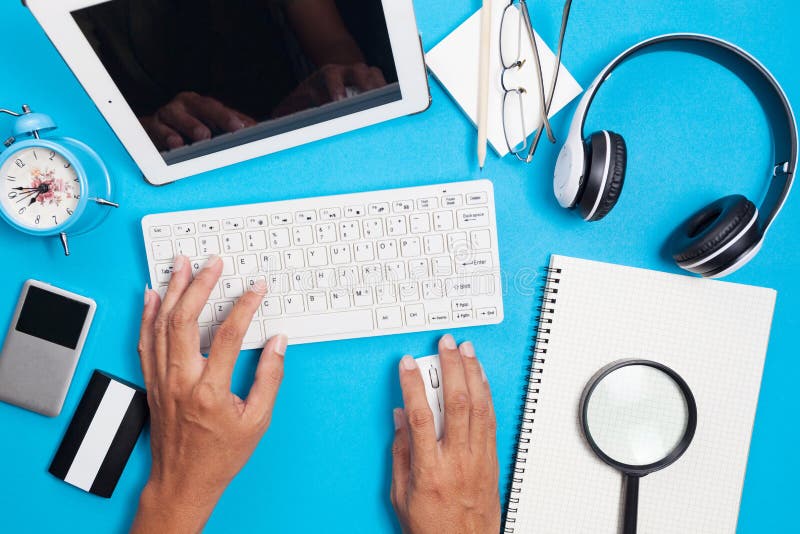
(42, 347)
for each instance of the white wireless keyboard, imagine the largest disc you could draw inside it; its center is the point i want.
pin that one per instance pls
(337, 267)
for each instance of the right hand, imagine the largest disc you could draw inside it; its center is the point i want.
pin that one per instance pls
(447, 486)
(191, 116)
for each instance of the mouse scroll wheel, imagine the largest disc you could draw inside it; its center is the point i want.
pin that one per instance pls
(434, 376)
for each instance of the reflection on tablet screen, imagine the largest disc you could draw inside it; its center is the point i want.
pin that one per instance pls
(207, 75)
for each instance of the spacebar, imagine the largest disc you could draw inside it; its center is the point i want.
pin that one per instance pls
(322, 325)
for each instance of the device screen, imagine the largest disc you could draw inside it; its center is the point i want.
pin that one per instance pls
(207, 75)
(52, 317)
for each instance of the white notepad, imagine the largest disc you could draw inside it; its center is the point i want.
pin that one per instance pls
(714, 334)
(454, 62)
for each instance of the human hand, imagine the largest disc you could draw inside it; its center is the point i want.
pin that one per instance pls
(191, 116)
(329, 84)
(447, 486)
(201, 434)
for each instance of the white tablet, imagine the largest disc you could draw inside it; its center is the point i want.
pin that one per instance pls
(194, 85)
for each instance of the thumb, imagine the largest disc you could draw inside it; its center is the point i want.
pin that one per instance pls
(269, 375)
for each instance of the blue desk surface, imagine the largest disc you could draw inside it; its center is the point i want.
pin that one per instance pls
(694, 133)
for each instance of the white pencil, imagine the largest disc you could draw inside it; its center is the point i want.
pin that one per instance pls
(483, 80)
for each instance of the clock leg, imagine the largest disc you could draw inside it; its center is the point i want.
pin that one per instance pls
(64, 243)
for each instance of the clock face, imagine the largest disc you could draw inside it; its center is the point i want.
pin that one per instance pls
(40, 188)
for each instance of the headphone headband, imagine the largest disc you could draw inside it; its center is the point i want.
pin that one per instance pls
(763, 84)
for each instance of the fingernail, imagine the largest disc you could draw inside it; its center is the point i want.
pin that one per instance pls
(467, 349)
(398, 418)
(211, 261)
(174, 141)
(281, 341)
(199, 133)
(448, 342)
(146, 294)
(180, 263)
(408, 363)
(260, 286)
(483, 373)
(235, 124)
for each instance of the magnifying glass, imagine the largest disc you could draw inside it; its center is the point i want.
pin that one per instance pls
(638, 416)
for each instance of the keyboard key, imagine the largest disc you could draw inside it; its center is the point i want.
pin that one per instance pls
(461, 304)
(209, 245)
(418, 269)
(281, 219)
(302, 236)
(316, 302)
(293, 303)
(364, 251)
(222, 310)
(257, 221)
(478, 261)
(330, 214)
(415, 315)
(396, 226)
(271, 307)
(461, 316)
(487, 314)
(278, 283)
(387, 249)
(232, 243)
(158, 232)
(279, 238)
(389, 317)
(205, 337)
(378, 208)
(253, 333)
(373, 228)
(384, 294)
(317, 256)
(232, 288)
(205, 315)
(215, 293)
(420, 223)
(473, 217)
(434, 244)
(235, 223)
(324, 325)
(410, 247)
(403, 206)
(476, 198)
(443, 221)
(303, 281)
(372, 273)
(251, 281)
(247, 264)
(452, 201)
(458, 244)
(442, 266)
(340, 254)
(354, 211)
(439, 318)
(326, 233)
(427, 203)
(348, 276)
(227, 266)
(186, 247)
(362, 296)
(432, 289)
(349, 230)
(409, 291)
(270, 262)
(256, 240)
(305, 216)
(326, 278)
(470, 285)
(395, 271)
(184, 229)
(340, 299)
(162, 250)
(163, 273)
(481, 239)
(293, 259)
(209, 227)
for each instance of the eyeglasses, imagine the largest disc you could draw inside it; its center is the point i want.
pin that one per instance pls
(516, 21)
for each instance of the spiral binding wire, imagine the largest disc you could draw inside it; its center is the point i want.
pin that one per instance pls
(530, 398)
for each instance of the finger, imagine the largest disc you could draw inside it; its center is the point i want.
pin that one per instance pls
(214, 113)
(183, 329)
(334, 83)
(377, 77)
(227, 341)
(480, 410)
(456, 395)
(177, 117)
(401, 459)
(269, 375)
(246, 119)
(146, 346)
(359, 76)
(179, 281)
(419, 418)
(162, 135)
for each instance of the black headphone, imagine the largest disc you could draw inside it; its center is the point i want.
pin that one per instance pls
(723, 236)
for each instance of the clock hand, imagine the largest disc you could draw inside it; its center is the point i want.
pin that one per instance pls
(27, 195)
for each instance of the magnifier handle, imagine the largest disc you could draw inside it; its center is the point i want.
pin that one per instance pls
(631, 504)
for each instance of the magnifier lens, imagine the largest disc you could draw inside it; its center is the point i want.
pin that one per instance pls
(637, 415)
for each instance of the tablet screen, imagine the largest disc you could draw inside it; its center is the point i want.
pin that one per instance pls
(52, 317)
(207, 75)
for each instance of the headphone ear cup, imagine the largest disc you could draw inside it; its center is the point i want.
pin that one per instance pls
(715, 238)
(607, 157)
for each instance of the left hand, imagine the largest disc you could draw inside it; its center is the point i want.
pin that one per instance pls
(201, 433)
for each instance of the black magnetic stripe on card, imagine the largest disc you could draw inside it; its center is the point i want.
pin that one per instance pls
(84, 413)
(121, 446)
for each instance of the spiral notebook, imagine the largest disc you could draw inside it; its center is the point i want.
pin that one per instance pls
(714, 334)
